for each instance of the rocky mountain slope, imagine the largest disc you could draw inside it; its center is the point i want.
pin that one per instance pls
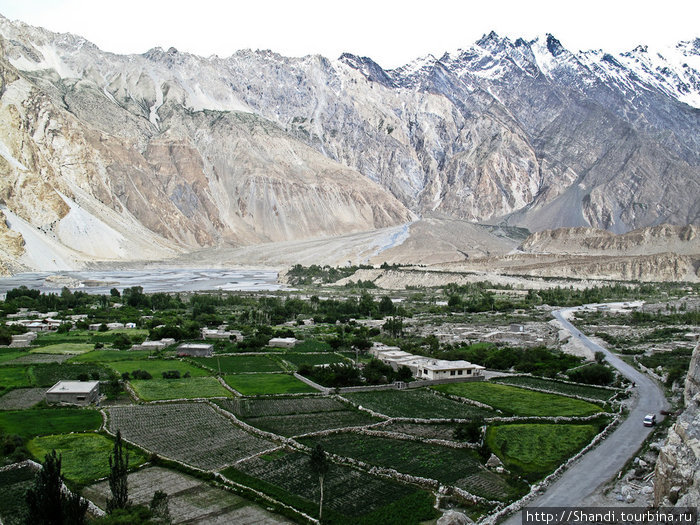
(677, 480)
(147, 156)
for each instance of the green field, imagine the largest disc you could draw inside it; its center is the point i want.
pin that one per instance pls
(88, 336)
(63, 348)
(452, 466)
(519, 401)
(109, 356)
(191, 388)
(591, 392)
(30, 423)
(537, 449)
(260, 384)
(281, 406)
(84, 456)
(239, 364)
(311, 345)
(351, 497)
(48, 374)
(419, 403)
(14, 377)
(8, 354)
(156, 367)
(313, 359)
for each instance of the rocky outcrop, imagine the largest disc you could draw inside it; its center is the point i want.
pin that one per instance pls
(589, 241)
(677, 479)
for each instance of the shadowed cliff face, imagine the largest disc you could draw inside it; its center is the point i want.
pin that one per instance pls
(258, 147)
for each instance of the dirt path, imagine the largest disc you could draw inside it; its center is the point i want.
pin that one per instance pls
(578, 484)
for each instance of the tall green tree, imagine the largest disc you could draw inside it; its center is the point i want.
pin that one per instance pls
(118, 472)
(47, 504)
(320, 465)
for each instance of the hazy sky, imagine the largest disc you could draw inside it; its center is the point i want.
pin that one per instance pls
(391, 32)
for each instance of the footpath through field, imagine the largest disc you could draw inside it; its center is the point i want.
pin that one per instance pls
(599, 465)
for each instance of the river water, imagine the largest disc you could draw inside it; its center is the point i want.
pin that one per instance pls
(152, 280)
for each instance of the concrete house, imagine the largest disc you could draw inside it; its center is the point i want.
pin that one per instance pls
(154, 346)
(74, 392)
(221, 333)
(441, 369)
(196, 349)
(283, 342)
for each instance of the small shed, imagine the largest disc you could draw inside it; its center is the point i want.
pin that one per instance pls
(74, 392)
(196, 349)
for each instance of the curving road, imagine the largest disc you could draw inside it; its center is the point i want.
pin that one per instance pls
(605, 461)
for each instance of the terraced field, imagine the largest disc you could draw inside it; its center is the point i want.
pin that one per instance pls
(297, 424)
(294, 416)
(298, 359)
(520, 401)
(189, 500)
(262, 384)
(156, 367)
(591, 392)
(228, 364)
(423, 430)
(22, 398)
(350, 496)
(85, 457)
(452, 466)
(418, 403)
(537, 449)
(281, 406)
(190, 388)
(193, 433)
(39, 422)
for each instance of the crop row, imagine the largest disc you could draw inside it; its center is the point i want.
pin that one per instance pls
(297, 424)
(280, 406)
(450, 466)
(419, 403)
(193, 433)
(346, 490)
(591, 392)
(421, 430)
(239, 364)
(520, 401)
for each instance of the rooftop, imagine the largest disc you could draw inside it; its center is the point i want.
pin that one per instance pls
(73, 387)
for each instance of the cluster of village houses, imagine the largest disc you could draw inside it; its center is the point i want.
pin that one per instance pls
(86, 392)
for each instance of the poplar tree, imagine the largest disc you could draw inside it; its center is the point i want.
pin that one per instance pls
(118, 472)
(48, 503)
(320, 465)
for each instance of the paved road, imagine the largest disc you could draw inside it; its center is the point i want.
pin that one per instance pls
(605, 461)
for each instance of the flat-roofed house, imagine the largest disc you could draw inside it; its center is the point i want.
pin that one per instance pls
(442, 369)
(74, 392)
(283, 342)
(196, 349)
